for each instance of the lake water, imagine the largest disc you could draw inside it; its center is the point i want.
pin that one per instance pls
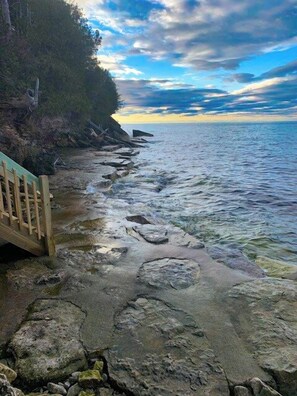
(227, 184)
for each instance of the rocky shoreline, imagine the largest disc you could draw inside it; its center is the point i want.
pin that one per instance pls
(134, 306)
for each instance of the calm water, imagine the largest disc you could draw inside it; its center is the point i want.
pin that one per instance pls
(230, 184)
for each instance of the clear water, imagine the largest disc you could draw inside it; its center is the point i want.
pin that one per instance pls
(227, 184)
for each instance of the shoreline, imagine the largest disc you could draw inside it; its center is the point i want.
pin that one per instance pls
(121, 277)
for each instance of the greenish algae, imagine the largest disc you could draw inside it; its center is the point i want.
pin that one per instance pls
(55, 290)
(98, 365)
(275, 268)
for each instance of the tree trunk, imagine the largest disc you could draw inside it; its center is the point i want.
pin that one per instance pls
(6, 15)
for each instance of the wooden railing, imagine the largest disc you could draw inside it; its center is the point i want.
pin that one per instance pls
(25, 211)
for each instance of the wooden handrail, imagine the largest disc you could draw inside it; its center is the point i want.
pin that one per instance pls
(25, 213)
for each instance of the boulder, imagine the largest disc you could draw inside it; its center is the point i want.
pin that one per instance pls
(56, 389)
(8, 372)
(6, 389)
(261, 389)
(74, 390)
(242, 391)
(47, 346)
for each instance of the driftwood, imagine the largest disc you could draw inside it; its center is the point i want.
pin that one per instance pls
(27, 101)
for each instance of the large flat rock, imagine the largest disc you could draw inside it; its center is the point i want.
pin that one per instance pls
(271, 306)
(47, 346)
(162, 351)
(169, 273)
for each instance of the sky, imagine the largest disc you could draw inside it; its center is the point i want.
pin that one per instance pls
(199, 60)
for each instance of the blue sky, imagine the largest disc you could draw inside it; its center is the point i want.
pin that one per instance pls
(189, 60)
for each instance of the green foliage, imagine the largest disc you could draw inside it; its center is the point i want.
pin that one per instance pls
(52, 41)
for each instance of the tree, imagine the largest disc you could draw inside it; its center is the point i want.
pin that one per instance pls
(6, 16)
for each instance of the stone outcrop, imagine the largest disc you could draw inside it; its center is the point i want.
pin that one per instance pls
(270, 305)
(47, 346)
(162, 351)
(138, 133)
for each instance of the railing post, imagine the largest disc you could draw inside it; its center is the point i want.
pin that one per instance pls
(46, 216)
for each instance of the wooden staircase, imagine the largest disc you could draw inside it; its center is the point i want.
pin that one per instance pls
(25, 210)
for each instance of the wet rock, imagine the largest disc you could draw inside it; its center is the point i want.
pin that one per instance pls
(98, 365)
(261, 389)
(126, 152)
(87, 393)
(118, 163)
(74, 390)
(47, 346)
(235, 259)
(50, 279)
(105, 392)
(89, 378)
(141, 361)
(178, 237)
(152, 233)
(270, 306)
(25, 273)
(6, 389)
(167, 273)
(8, 372)
(138, 133)
(138, 219)
(242, 391)
(56, 389)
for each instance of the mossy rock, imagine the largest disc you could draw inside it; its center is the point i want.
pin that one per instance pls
(89, 379)
(275, 268)
(86, 393)
(98, 365)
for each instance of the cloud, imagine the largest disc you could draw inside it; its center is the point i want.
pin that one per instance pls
(115, 64)
(281, 71)
(212, 34)
(272, 96)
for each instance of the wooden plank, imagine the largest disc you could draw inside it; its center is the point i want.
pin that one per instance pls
(36, 209)
(17, 238)
(1, 201)
(27, 203)
(7, 191)
(18, 168)
(17, 199)
(46, 216)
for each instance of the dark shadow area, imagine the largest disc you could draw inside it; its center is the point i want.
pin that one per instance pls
(10, 253)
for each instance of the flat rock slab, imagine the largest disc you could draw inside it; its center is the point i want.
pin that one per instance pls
(138, 219)
(47, 346)
(152, 233)
(118, 163)
(162, 351)
(272, 307)
(127, 152)
(156, 233)
(169, 273)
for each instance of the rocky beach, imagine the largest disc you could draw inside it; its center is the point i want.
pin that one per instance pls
(132, 305)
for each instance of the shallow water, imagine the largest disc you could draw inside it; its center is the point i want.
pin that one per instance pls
(227, 184)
